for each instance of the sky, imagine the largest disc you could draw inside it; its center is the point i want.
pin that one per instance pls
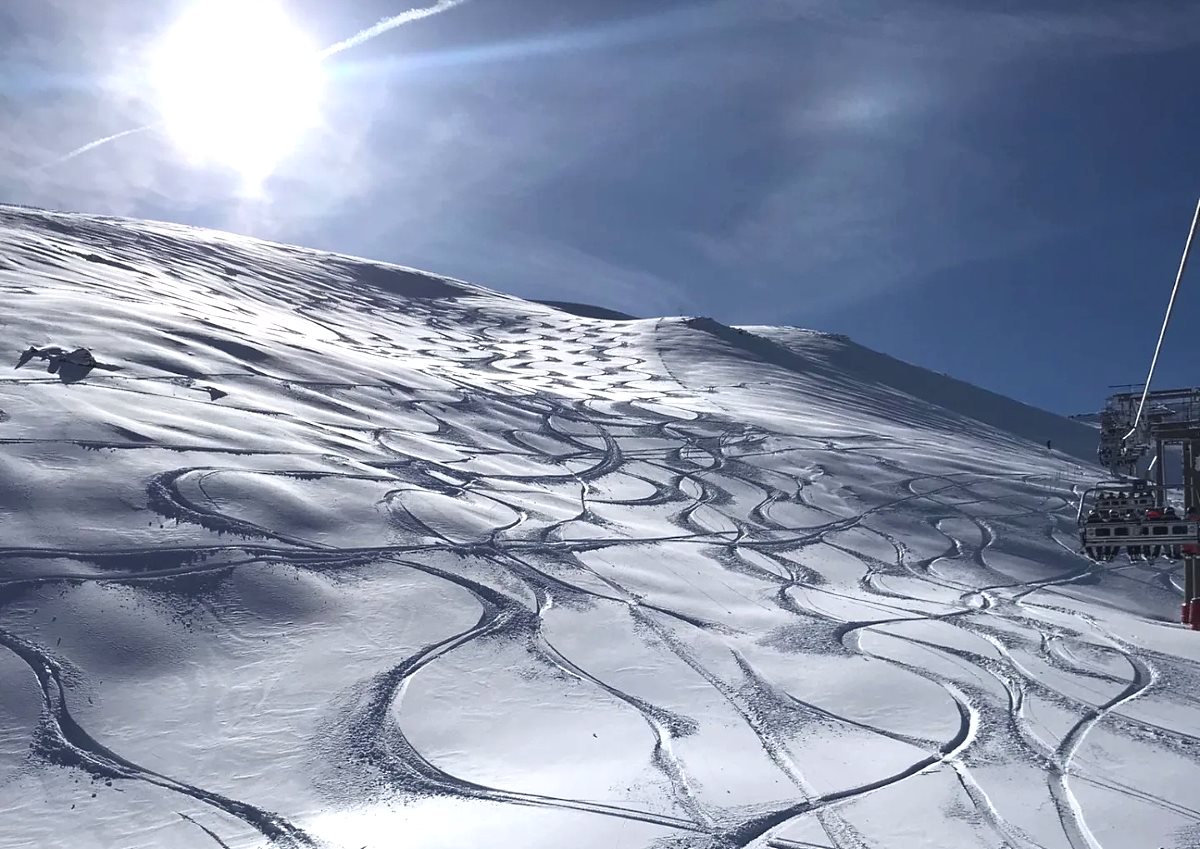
(998, 191)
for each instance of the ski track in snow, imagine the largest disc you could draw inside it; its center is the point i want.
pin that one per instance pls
(550, 469)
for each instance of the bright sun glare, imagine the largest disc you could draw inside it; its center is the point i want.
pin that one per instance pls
(238, 84)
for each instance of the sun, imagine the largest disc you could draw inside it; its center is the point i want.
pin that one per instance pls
(238, 84)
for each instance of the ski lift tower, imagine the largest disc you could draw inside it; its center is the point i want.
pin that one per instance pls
(1131, 515)
(1171, 417)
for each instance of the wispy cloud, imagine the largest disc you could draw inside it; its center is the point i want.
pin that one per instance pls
(543, 269)
(949, 26)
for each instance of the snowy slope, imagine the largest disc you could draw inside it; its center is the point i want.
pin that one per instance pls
(330, 553)
(891, 386)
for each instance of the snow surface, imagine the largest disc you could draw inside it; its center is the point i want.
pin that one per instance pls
(333, 553)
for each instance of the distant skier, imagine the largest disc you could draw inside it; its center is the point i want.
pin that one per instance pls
(1049, 447)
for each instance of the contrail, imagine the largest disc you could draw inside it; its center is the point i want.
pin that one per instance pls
(92, 145)
(389, 24)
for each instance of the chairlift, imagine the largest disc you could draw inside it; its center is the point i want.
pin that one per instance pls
(1134, 517)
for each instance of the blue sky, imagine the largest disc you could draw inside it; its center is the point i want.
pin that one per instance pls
(997, 191)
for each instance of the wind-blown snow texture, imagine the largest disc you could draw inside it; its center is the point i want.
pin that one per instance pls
(331, 553)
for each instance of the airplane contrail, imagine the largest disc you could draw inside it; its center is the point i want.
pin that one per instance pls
(389, 24)
(92, 145)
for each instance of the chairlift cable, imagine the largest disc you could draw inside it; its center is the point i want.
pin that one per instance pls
(1187, 249)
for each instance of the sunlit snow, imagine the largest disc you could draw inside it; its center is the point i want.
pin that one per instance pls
(318, 552)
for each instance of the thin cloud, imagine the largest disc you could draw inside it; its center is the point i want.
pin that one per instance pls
(537, 268)
(941, 28)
